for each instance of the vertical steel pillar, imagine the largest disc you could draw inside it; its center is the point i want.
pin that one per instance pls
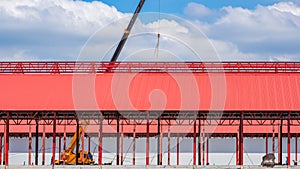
(100, 141)
(65, 142)
(237, 149)
(7, 139)
(59, 147)
(241, 139)
(203, 147)
(169, 143)
(194, 139)
(199, 140)
(289, 139)
(54, 139)
(122, 143)
(194, 136)
(207, 150)
(77, 141)
(177, 149)
(161, 146)
(29, 145)
(89, 144)
(296, 147)
(280, 142)
(118, 140)
(158, 141)
(273, 141)
(0, 149)
(147, 140)
(82, 146)
(36, 142)
(267, 144)
(43, 145)
(134, 144)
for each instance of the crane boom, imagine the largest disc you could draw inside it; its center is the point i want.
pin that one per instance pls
(73, 141)
(127, 31)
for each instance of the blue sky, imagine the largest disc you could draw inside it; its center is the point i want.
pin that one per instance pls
(238, 30)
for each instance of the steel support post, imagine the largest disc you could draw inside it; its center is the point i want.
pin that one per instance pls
(296, 147)
(82, 146)
(100, 141)
(59, 147)
(77, 141)
(65, 142)
(43, 145)
(158, 141)
(199, 140)
(203, 147)
(194, 140)
(7, 139)
(177, 149)
(161, 146)
(0, 149)
(29, 144)
(169, 143)
(267, 144)
(289, 139)
(273, 141)
(118, 140)
(54, 138)
(241, 139)
(147, 140)
(134, 144)
(122, 143)
(280, 142)
(37, 142)
(207, 149)
(89, 144)
(237, 149)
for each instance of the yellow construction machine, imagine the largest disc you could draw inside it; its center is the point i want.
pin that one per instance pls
(69, 158)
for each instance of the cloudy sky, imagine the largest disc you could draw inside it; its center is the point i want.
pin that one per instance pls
(199, 30)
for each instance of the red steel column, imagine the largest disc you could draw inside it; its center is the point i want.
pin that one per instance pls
(194, 143)
(43, 145)
(199, 141)
(133, 148)
(296, 147)
(0, 149)
(161, 146)
(54, 138)
(29, 145)
(122, 143)
(237, 149)
(100, 141)
(207, 150)
(65, 142)
(280, 142)
(203, 146)
(89, 144)
(177, 149)
(118, 140)
(169, 143)
(59, 147)
(36, 142)
(82, 146)
(241, 139)
(147, 140)
(273, 141)
(289, 139)
(7, 139)
(267, 144)
(158, 141)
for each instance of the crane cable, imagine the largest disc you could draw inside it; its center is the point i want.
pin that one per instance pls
(158, 33)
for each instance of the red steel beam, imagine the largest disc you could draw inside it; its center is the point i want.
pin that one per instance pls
(91, 67)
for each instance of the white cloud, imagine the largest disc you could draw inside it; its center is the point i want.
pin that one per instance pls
(197, 10)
